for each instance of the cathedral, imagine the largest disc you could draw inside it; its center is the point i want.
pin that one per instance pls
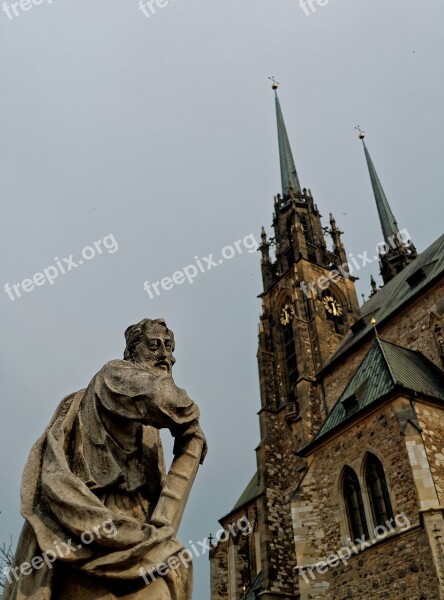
(348, 497)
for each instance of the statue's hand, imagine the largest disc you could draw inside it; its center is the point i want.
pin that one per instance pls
(193, 430)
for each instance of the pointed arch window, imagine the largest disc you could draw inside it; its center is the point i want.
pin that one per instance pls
(378, 491)
(254, 551)
(289, 347)
(354, 505)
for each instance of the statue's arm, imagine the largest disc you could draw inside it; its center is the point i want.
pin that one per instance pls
(134, 393)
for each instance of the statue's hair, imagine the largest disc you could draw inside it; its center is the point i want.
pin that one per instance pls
(135, 333)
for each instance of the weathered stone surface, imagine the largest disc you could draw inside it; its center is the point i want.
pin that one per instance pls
(101, 513)
(389, 565)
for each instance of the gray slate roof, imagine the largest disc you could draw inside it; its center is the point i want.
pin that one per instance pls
(385, 367)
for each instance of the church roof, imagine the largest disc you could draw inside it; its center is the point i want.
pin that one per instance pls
(256, 587)
(385, 368)
(249, 493)
(400, 290)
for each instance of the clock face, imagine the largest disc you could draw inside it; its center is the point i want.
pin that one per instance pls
(287, 314)
(332, 306)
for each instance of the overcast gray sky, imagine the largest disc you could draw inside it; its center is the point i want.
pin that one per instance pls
(161, 132)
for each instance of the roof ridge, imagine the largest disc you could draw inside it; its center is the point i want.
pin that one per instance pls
(387, 362)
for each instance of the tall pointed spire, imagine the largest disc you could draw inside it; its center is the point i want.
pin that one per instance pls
(289, 176)
(398, 251)
(389, 225)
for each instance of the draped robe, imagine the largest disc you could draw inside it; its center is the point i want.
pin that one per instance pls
(99, 461)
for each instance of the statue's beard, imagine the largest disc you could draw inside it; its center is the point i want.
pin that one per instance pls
(158, 367)
(163, 365)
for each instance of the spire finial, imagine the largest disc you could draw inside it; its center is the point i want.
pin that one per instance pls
(263, 235)
(274, 83)
(374, 323)
(361, 132)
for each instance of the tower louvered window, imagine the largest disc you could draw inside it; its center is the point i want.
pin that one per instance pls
(290, 355)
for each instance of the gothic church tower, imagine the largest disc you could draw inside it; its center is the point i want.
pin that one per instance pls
(350, 419)
(309, 300)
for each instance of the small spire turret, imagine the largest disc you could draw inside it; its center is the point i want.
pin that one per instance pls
(267, 268)
(338, 246)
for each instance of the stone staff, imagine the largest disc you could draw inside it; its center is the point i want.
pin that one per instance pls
(175, 493)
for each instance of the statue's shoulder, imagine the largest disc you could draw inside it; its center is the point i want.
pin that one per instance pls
(65, 406)
(115, 366)
(117, 363)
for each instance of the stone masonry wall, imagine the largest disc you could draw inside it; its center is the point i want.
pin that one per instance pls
(431, 421)
(278, 470)
(243, 539)
(397, 569)
(390, 569)
(219, 572)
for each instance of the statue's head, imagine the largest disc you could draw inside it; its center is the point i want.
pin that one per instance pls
(150, 343)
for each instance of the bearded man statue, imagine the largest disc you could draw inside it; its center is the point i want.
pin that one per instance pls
(100, 511)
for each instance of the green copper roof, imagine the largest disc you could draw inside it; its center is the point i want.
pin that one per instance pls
(388, 221)
(385, 367)
(250, 492)
(256, 586)
(394, 295)
(289, 176)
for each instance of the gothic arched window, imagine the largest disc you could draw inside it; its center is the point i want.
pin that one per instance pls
(254, 551)
(354, 505)
(289, 347)
(290, 355)
(378, 491)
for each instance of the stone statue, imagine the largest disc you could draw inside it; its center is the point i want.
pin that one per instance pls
(101, 513)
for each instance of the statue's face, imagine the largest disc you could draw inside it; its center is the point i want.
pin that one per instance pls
(156, 350)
